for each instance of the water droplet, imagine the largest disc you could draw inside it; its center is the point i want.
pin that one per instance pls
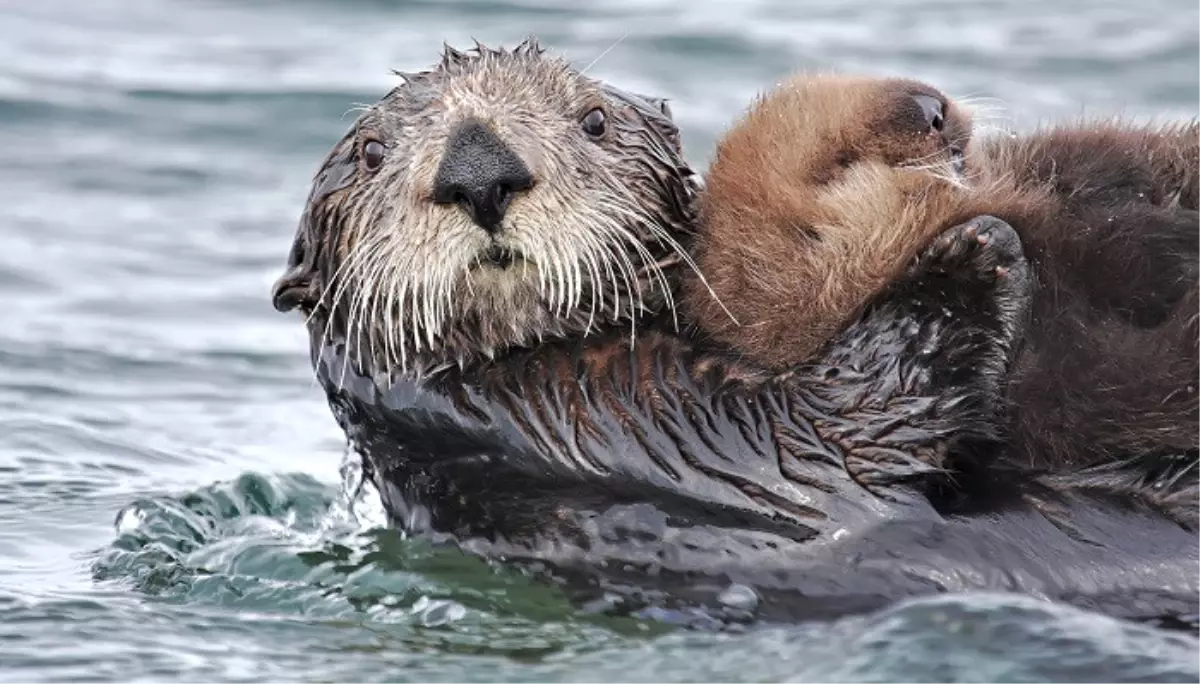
(436, 612)
(739, 597)
(130, 519)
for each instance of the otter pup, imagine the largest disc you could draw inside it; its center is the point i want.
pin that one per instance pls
(829, 186)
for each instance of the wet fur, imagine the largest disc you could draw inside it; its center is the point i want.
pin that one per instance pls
(655, 474)
(811, 207)
(658, 473)
(623, 455)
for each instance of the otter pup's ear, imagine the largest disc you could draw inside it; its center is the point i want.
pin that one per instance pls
(298, 286)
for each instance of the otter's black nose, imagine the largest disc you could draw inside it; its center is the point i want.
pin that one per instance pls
(481, 174)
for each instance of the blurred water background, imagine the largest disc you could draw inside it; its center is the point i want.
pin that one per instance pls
(170, 494)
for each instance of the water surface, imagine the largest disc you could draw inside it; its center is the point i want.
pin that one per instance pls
(170, 494)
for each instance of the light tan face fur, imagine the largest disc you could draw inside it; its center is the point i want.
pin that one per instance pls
(590, 237)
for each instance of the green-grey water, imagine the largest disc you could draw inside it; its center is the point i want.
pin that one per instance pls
(171, 480)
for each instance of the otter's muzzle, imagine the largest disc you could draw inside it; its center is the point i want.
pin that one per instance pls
(480, 174)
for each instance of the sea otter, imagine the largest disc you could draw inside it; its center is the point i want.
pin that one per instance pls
(488, 262)
(828, 187)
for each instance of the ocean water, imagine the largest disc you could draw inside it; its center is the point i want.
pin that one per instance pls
(171, 483)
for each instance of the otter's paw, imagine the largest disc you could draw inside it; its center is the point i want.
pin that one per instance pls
(977, 267)
(984, 249)
(916, 383)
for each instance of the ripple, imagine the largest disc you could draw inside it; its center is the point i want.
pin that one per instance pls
(157, 155)
(277, 547)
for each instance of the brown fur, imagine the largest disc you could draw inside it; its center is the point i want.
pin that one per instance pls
(803, 199)
(812, 205)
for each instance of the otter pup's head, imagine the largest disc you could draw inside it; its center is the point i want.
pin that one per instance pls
(812, 128)
(815, 197)
(495, 200)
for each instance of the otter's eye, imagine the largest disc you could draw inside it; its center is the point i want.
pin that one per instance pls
(594, 123)
(932, 107)
(373, 154)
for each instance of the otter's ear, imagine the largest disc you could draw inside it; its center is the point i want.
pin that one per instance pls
(646, 104)
(300, 285)
(660, 103)
(667, 118)
(654, 110)
(663, 107)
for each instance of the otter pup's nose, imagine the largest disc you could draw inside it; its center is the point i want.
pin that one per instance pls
(480, 174)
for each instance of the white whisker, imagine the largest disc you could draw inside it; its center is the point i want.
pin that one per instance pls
(603, 54)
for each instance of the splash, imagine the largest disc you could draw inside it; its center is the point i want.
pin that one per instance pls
(288, 546)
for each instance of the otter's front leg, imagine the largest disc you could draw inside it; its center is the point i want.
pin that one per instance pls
(917, 380)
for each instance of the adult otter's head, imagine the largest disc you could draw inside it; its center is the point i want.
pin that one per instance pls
(494, 200)
(816, 196)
